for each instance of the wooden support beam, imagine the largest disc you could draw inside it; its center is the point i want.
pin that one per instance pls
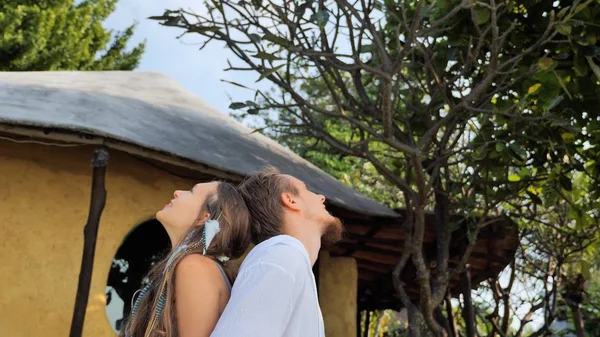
(374, 257)
(364, 239)
(90, 234)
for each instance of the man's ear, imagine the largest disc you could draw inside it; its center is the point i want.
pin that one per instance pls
(290, 201)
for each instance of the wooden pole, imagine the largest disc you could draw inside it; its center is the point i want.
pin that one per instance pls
(468, 309)
(367, 323)
(450, 315)
(90, 234)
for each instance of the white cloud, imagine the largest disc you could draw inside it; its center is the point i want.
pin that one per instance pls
(198, 71)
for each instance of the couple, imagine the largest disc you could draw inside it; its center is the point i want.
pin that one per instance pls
(190, 293)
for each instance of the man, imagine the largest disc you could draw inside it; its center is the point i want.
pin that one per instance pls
(275, 293)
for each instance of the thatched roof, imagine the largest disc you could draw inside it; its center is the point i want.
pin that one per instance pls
(152, 115)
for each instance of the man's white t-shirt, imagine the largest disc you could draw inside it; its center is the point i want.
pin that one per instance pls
(274, 295)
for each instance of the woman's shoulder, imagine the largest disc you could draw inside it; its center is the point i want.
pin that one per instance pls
(200, 268)
(196, 261)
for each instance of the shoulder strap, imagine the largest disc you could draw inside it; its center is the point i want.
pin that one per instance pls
(227, 282)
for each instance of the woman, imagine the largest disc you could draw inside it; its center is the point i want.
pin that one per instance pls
(188, 289)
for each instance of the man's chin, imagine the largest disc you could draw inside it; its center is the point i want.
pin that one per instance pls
(334, 232)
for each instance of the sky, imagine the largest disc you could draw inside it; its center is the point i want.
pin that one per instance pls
(200, 72)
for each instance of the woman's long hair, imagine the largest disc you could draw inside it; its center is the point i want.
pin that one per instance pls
(226, 205)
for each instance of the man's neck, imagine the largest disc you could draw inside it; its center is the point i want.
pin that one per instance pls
(309, 238)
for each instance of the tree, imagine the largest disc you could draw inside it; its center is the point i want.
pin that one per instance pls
(456, 104)
(63, 35)
(554, 264)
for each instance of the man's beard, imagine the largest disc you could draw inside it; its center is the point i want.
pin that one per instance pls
(334, 232)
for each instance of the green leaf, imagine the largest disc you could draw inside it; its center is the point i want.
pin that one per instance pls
(201, 30)
(562, 83)
(556, 101)
(561, 56)
(254, 38)
(236, 84)
(514, 177)
(480, 153)
(545, 63)
(320, 18)
(166, 16)
(481, 15)
(576, 23)
(550, 197)
(524, 172)
(534, 88)
(591, 39)
(582, 6)
(237, 105)
(594, 67)
(585, 269)
(510, 7)
(517, 152)
(568, 137)
(587, 40)
(500, 147)
(266, 56)
(562, 12)
(173, 21)
(278, 40)
(580, 66)
(366, 48)
(160, 17)
(564, 28)
(269, 72)
(253, 111)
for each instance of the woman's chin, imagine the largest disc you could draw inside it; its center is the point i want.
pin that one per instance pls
(160, 215)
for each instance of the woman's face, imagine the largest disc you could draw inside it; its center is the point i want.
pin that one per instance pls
(184, 210)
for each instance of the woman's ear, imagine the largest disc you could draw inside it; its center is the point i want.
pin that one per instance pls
(203, 218)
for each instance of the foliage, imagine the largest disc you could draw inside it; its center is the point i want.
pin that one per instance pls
(63, 35)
